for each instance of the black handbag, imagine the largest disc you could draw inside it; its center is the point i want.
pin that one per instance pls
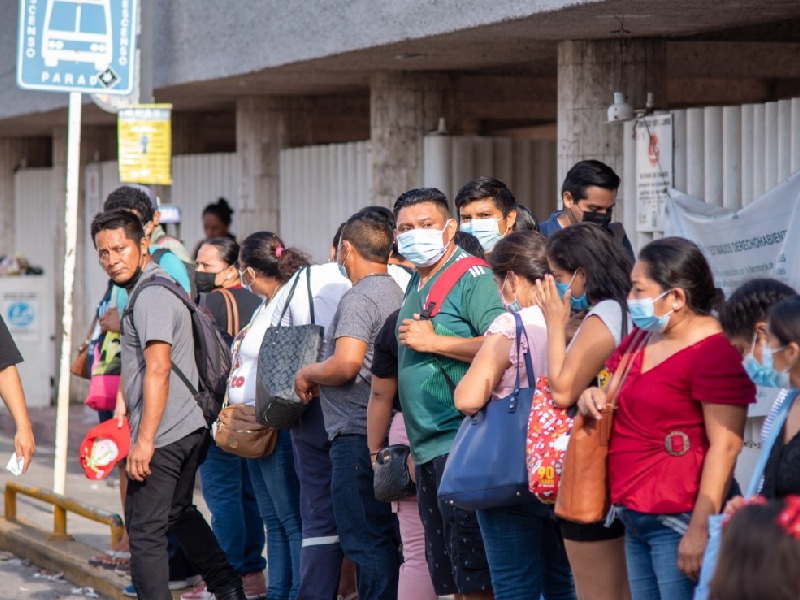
(391, 480)
(284, 351)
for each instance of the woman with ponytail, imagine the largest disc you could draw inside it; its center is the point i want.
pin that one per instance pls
(265, 265)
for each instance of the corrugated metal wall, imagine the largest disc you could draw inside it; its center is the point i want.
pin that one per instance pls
(36, 220)
(725, 155)
(198, 180)
(323, 185)
(528, 167)
(320, 187)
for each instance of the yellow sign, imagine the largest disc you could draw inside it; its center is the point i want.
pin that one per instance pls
(145, 144)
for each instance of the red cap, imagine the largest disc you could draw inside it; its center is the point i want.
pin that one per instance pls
(107, 455)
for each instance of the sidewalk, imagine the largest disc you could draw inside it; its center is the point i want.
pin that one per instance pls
(27, 538)
(81, 419)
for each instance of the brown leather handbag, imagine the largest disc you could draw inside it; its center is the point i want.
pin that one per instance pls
(79, 366)
(238, 432)
(583, 496)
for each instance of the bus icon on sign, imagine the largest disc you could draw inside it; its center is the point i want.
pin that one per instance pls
(77, 31)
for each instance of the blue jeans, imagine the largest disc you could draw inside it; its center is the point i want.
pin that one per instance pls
(230, 497)
(651, 549)
(367, 527)
(526, 555)
(321, 556)
(278, 495)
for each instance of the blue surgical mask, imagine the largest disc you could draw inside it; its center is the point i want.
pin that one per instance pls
(249, 286)
(513, 306)
(423, 247)
(579, 303)
(342, 270)
(755, 370)
(643, 314)
(486, 230)
(764, 374)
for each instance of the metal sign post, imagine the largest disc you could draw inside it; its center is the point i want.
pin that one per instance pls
(70, 243)
(75, 46)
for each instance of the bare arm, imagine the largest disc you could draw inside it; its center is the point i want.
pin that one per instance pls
(379, 411)
(339, 368)
(14, 398)
(475, 388)
(724, 426)
(418, 334)
(590, 350)
(571, 372)
(158, 364)
(121, 409)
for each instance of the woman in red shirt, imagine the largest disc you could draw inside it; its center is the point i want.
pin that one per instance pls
(680, 418)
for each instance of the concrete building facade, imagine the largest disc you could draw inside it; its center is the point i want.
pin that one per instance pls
(254, 77)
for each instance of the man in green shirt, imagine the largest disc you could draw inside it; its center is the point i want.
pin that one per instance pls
(433, 355)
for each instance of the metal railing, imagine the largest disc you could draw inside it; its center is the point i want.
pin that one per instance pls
(61, 506)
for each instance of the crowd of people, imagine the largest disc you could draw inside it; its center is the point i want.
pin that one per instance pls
(393, 372)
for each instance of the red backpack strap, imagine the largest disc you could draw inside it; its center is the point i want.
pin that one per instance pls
(446, 282)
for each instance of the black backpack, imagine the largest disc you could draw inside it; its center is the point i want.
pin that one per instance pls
(157, 255)
(211, 354)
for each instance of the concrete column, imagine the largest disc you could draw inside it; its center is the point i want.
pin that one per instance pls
(404, 107)
(263, 127)
(589, 72)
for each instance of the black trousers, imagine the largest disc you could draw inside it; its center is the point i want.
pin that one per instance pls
(162, 502)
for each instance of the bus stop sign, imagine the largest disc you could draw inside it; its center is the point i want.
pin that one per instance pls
(86, 46)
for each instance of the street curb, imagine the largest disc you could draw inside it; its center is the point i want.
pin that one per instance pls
(68, 557)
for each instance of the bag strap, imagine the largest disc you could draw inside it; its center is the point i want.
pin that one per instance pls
(158, 254)
(310, 297)
(527, 357)
(181, 294)
(232, 309)
(766, 449)
(614, 385)
(289, 299)
(446, 281)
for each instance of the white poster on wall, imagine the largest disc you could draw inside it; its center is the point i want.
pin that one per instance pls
(653, 170)
(21, 314)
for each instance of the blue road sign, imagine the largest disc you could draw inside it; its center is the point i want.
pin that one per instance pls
(77, 45)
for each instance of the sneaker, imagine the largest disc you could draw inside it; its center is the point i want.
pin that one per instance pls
(179, 584)
(182, 584)
(254, 586)
(200, 592)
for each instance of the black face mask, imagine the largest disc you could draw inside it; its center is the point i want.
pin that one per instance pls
(596, 218)
(137, 274)
(205, 282)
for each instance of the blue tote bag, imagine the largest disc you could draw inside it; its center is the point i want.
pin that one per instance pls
(487, 465)
(715, 522)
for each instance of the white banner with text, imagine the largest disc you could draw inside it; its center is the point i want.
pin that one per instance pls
(760, 240)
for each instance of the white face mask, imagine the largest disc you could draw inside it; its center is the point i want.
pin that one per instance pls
(486, 230)
(423, 247)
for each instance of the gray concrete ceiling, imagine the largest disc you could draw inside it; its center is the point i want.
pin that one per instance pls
(721, 39)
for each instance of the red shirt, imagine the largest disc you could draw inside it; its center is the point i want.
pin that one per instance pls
(659, 441)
